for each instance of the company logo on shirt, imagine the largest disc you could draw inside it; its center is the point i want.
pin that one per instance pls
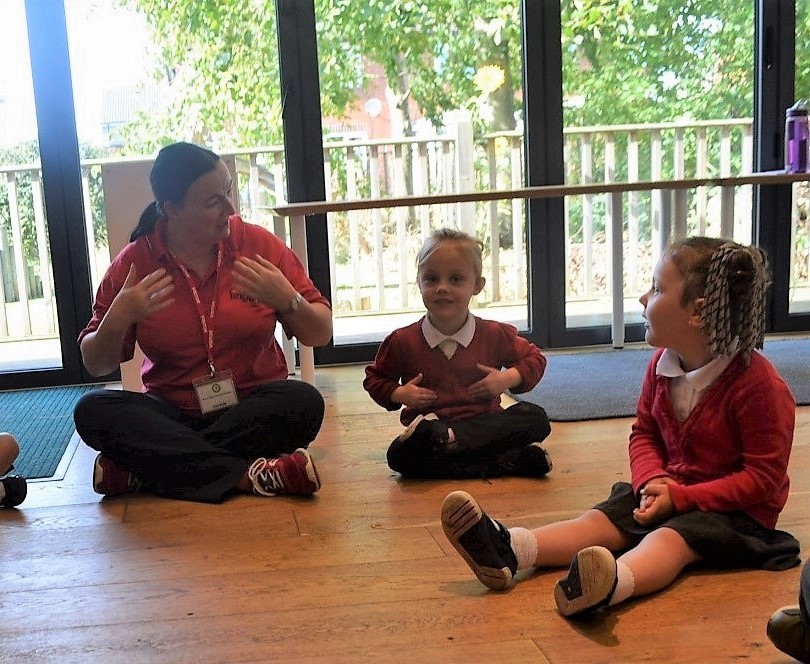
(244, 298)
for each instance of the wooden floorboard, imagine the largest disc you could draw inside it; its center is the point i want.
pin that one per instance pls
(360, 572)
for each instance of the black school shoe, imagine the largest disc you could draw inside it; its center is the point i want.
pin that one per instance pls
(527, 461)
(788, 632)
(484, 544)
(589, 584)
(13, 490)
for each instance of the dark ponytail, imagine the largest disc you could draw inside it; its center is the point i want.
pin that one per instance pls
(176, 168)
(146, 224)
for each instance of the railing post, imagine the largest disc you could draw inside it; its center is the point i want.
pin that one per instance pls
(492, 168)
(401, 217)
(3, 301)
(298, 242)
(354, 232)
(587, 213)
(616, 249)
(88, 225)
(19, 258)
(727, 212)
(465, 169)
(44, 254)
(518, 221)
(679, 214)
(376, 218)
(661, 237)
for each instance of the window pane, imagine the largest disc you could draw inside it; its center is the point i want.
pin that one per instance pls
(799, 292)
(420, 99)
(29, 328)
(651, 91)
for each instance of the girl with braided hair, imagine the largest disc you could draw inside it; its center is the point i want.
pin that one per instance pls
(708, 451)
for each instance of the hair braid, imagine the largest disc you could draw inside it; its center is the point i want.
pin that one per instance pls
(734, 306)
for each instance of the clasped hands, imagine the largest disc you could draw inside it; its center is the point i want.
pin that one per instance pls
(655, 504)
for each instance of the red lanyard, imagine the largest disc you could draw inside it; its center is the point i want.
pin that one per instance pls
(206, 322)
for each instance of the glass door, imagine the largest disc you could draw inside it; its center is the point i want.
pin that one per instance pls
(418, 99)
(650, 91)
(43, 263)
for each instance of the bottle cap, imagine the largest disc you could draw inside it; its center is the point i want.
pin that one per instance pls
(799, 108)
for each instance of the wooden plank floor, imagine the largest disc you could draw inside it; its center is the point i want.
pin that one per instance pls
(361, 572)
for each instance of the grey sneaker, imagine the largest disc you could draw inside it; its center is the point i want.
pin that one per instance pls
(485, 544)
(589, 584)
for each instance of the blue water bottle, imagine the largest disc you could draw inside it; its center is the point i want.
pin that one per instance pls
(797, 133)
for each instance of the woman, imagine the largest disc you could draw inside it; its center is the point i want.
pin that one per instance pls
(201, 291)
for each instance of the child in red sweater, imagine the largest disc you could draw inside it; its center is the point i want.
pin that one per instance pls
(449, 371)
(708, 450)
(13, 489)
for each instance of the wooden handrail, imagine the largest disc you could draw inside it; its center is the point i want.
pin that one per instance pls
(547, 191)
(297, 212)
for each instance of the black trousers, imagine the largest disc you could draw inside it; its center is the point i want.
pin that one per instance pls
(198, 458)
(483, 446)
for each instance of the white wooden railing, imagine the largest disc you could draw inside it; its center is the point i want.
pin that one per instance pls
(372, 250)
(672, 222)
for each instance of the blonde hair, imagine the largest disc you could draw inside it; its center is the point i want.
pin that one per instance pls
(471, 246)
(733, 280)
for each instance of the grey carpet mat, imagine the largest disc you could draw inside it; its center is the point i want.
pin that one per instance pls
(603, 384)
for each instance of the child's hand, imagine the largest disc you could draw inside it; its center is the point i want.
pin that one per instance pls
(413, 396)
(655, 504)
(494, 383)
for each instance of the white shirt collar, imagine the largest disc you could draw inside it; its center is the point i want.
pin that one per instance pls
(463, 336)
(669, 365)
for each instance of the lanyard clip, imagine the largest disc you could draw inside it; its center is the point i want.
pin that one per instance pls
(211, 368)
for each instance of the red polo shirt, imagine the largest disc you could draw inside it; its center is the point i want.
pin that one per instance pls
(172, 339)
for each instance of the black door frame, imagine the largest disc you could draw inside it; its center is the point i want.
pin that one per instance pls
(62, 189)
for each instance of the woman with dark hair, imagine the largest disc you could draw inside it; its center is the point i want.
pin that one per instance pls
(200, 291)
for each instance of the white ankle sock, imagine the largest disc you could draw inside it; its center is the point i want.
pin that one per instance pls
(524, 544)
(625, 585)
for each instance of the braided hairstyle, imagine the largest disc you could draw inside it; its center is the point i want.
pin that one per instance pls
(733, 280)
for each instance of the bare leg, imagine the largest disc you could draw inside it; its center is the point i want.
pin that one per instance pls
(658, 560)
(9, 450)
(558, 542)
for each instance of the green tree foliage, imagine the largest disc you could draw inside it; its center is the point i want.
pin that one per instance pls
(629, 61)
(222, 60)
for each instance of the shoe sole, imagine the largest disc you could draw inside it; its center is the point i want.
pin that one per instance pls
(589, 584)
(460, 512)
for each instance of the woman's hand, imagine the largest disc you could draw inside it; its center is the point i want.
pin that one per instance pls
(101, 349)
(140, 299)
(261, 280)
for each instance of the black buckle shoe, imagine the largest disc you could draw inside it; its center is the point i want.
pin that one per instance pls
(788, 632)
(16, 489)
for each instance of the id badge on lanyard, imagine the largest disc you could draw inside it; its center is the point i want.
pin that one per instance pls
(216, 390)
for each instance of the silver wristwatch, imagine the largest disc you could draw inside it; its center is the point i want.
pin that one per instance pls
(295, 302)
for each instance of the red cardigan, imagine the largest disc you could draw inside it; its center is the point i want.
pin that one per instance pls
(732, 451)
(404, 353)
